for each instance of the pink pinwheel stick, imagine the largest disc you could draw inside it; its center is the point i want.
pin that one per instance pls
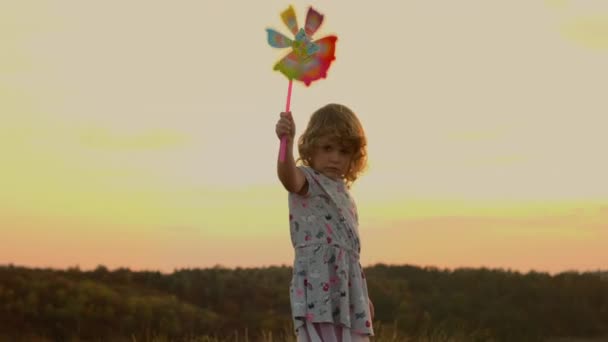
(283, 148)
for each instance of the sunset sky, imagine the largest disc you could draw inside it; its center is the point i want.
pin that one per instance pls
(140, 134)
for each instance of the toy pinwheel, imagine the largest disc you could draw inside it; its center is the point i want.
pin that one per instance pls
(309, 60)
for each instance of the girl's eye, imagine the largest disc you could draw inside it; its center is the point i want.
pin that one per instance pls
(327, 148)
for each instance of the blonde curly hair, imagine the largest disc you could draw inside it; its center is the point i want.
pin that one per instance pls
(338, 122)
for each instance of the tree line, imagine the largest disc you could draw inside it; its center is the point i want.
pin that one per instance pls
(497, 304)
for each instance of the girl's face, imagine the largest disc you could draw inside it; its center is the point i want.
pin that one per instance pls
(331, 158)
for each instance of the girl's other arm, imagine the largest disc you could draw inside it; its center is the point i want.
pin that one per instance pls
(291, 177)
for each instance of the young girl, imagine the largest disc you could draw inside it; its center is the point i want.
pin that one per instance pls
(328, 291)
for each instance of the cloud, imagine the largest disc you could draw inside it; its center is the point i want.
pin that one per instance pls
(584, 23)
(557, 4)
(589, 31)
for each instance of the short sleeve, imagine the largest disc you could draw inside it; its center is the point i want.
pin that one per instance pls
(312, 179)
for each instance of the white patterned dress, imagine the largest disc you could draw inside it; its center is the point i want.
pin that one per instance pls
(328, 283)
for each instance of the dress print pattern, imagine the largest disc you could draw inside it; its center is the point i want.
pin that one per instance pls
(328, 283)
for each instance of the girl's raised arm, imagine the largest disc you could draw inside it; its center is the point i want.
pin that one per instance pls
(291, 177)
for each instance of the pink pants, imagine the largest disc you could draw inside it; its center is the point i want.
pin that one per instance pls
(327, 332)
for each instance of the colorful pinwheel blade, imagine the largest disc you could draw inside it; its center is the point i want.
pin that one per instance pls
(289, 18)
(313, 21)
(312, 68)
(278, 40)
